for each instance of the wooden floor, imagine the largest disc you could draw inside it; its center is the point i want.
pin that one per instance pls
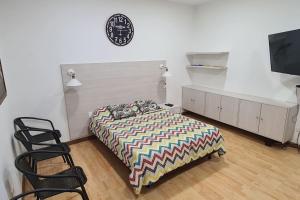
(249, 170)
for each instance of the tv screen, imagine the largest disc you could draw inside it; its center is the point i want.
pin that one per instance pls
(2, 86)
(285, 52)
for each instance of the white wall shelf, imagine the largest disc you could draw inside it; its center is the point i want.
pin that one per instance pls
(208, 60)
(206, 53)
(206, 67)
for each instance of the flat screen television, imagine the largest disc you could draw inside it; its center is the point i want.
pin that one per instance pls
(285, 52)
(3, 92)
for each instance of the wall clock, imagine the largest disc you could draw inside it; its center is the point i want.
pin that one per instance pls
(119, 29)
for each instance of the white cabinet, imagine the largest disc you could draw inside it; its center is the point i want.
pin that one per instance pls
(229, 110)
(249, 115)
(272, 122)
(212, 107)
(222, 108)
(193, 100)
(270, 118)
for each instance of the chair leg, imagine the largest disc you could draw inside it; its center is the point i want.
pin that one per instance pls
(86, 197)
(29, 159)
(34, 168)
(84, 193)
(34, 165)
(67, 160)
(57, 141)
(64, 158)
(70, 161)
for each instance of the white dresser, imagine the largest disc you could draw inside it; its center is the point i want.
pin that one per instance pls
(266, 117)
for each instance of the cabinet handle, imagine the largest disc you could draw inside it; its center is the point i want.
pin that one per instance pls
(261, 119)
(257, 118)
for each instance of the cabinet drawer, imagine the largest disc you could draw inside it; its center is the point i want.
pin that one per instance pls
(193, 100)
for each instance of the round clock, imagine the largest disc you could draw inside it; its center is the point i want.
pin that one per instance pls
(119, 29)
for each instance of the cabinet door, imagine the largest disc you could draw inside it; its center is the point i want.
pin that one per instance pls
(249, 115)
(212, 106)
(272, 124)
(193, 100)
(229, 110)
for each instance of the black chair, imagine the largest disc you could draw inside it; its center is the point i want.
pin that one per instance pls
(49, 190)
(62, 149)
(71, 178)
(47, 134)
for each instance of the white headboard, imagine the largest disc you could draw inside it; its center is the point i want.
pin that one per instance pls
(109, 83)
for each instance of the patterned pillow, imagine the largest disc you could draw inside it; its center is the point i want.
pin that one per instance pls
(135, 108)
(147, 106)
(121, 111)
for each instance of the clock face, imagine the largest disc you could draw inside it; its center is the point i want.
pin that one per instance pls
(119, 29)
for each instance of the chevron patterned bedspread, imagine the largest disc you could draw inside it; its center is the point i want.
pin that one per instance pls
(152, 145)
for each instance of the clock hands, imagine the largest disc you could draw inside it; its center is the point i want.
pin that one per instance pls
(120, 28)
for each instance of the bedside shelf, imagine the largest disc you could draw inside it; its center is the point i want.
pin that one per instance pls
(206, 67)
(175, 109)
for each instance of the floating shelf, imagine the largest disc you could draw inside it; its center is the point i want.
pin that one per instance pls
(206, 67)
(206, 53)
(208, 60)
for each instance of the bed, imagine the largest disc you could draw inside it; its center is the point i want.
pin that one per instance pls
(153, 144)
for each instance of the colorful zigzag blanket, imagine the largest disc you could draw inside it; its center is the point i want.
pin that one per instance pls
(151, 145)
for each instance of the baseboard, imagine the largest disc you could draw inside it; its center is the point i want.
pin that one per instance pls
(90, 137)
(293, 145)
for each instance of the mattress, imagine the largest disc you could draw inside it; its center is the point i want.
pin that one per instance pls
(151, 145)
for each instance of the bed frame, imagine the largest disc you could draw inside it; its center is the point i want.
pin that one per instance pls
(109, 83)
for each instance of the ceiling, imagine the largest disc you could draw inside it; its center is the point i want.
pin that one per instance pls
(191, 2)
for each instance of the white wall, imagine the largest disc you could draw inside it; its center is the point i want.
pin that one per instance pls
(37, 36)
(242, 27)
(10, 180)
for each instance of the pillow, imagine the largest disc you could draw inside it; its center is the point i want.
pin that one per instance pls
(135, 108)
(147, 106)
(121, 111)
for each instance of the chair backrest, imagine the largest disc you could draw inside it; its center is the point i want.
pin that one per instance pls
(23, 164)
(19, 125)
(20, 136)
